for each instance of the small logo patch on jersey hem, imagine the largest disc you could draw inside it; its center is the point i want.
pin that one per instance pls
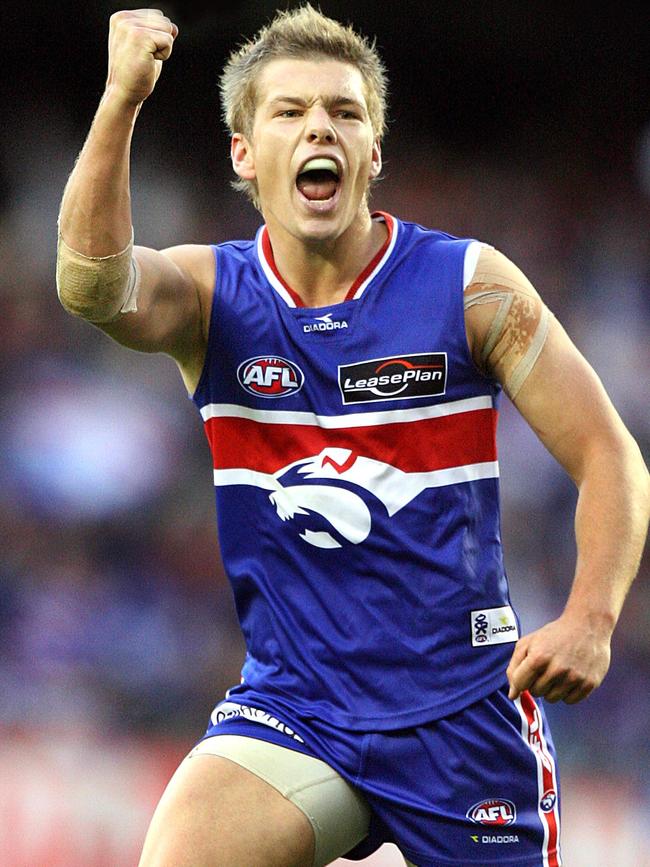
(397, 377)
(270, 376)
(494, 626)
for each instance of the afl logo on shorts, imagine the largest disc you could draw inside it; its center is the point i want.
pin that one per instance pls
(493, 812)
(270, 376)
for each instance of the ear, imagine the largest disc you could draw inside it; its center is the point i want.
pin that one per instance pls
(241, 154)
(375, 166)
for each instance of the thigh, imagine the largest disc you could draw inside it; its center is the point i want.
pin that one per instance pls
(259, 803)
(215, 813)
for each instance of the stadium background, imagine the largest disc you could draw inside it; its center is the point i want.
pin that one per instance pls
(526, 125)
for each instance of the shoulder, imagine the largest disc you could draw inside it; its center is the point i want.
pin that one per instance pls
(427, 234)
(506, 320)
(423, 239)
(196, 260)
(490, 266)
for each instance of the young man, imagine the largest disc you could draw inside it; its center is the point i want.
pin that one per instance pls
(347, 367)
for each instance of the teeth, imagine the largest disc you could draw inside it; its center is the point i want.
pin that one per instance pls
(321, 163)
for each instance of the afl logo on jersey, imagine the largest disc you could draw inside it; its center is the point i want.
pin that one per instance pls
(270, 376)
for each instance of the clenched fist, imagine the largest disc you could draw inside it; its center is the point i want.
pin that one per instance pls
(563, 661)
(138, 43)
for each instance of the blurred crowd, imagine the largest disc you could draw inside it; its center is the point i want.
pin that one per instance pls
(115, 613)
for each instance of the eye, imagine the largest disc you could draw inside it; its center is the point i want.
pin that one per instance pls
(346, 114)
(289, 112)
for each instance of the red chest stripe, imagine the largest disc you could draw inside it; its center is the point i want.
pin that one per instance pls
(415, 446)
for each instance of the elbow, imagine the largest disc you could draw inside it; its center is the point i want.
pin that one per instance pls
(641, 471)
(86, 300)
(615, 451)
(637, 469)
(92, 288)
(629, 469)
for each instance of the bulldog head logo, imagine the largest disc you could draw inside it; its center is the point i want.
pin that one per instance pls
(346, 511)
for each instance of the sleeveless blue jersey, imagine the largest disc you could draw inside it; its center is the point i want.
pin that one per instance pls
(354, 451)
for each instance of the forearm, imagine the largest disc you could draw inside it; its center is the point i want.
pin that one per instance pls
(566, 404)
(611, 526)
(569, 657)
(94, 266)
(95, 215)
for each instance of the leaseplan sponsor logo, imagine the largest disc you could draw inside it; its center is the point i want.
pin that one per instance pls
(493, 811)
(396, 377)
(270, 376)
(325, 323)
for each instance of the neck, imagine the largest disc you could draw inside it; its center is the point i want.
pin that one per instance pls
(321, 272)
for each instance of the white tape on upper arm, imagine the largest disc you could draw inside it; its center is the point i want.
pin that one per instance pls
(512, 342)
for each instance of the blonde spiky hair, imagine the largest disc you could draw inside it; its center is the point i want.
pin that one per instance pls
(299, 33)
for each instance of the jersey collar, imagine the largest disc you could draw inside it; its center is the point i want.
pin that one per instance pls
(291, 298)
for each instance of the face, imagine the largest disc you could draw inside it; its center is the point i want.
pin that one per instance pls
(312, 151)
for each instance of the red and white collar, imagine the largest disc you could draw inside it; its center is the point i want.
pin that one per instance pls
(277, 281)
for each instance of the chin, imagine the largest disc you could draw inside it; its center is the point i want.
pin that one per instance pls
(320, 230)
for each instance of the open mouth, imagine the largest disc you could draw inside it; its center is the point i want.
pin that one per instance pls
(319, 179)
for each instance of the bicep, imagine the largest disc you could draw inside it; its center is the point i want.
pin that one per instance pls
(507, 321)
(170, 302)
(515, 339)
(565, 403)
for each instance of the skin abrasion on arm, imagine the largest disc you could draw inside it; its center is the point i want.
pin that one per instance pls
(511, 321)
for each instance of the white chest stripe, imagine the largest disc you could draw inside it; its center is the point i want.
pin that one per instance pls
(349, 420)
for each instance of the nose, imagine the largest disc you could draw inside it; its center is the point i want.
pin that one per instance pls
(319, 127)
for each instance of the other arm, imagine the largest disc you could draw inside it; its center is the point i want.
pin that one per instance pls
(564, 402)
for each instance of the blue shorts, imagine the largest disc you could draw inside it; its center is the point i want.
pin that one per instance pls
(479, 787)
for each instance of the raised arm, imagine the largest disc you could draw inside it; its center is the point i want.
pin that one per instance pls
(564, 402)
(153, 301)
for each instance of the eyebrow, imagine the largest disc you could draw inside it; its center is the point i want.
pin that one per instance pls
(328, 100)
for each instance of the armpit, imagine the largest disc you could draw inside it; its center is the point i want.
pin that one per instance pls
(507, 321)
